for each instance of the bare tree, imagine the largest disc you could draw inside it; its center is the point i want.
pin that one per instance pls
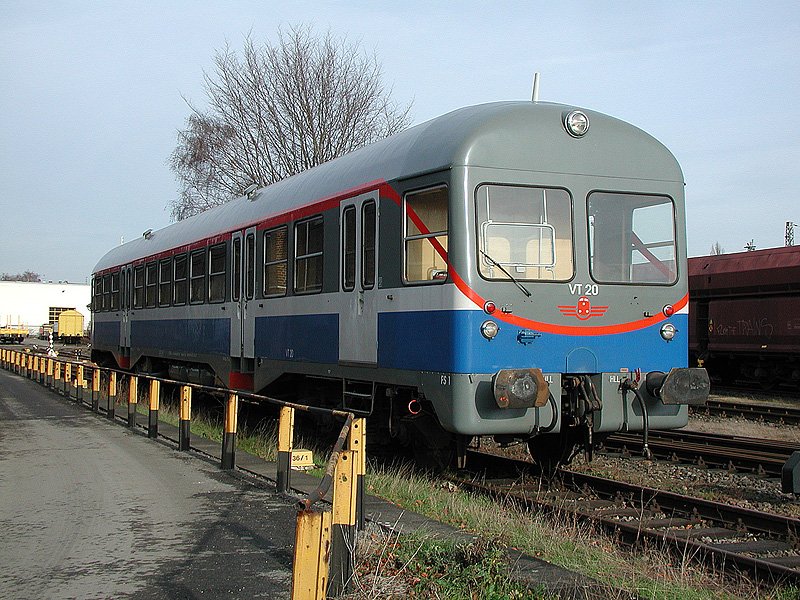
(716, 249)
(276, 110)
(26, 276)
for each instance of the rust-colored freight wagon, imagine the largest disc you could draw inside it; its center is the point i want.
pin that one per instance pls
(745, 315)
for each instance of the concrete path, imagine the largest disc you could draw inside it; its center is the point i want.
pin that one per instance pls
(89, 509)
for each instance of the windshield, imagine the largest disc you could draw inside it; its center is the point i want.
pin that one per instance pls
(631, 238)
(525, 230)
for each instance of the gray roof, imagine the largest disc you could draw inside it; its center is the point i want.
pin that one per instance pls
(512, 135)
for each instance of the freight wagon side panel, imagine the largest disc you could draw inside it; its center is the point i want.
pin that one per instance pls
(755, 325)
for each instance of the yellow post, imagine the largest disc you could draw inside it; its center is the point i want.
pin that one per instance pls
(57, 376)
(229, 437)
(311, 547)
(67, 377)
(357, 442)
(343, 523)
(285, 443)
(155, 397)
(80, 384)
(96, 389)
(111, 401)
(50, 372)
(184, 429)
(133, 398)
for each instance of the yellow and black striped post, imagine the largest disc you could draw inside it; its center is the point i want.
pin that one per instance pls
(343, 528)
(229, 437)
(95, 389)
(310, 564)
(133, 398)
(111, 400)
(357, 442)
(285, 443)
(185, 424)
(155, 397)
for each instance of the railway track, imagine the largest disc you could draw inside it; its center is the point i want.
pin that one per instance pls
(734, 453)
(761, 546)
(769, 413)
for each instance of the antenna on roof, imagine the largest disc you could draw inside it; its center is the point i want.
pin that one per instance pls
(535, 93)
(250, 191)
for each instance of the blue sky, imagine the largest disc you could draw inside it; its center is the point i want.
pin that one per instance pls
(92, 95)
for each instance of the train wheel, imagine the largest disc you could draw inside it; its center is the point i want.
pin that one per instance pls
(434, 448)
(551, 451)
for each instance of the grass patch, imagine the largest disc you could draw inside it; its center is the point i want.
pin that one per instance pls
(394, 566)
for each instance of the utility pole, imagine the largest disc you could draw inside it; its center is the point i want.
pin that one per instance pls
(789, 239)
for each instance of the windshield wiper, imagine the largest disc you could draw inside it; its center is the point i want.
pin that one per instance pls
(510, 276)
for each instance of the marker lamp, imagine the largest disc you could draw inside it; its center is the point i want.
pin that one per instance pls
(668, 331)
(489, 329)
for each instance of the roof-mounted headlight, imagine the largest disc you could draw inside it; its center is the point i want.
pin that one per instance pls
(576, 123)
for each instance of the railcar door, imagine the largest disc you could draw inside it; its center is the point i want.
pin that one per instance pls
(358, 325)
(243, 289)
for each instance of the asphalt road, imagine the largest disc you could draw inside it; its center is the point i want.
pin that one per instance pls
(89, 509)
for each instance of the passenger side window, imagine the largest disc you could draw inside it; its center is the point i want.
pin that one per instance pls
(308, 256)
(106, 292)
(216, 273)
(425, 237)
(276, 254)
(152, 285)
(180, 278)
(197, 276)
(98, 294)
(115, 291)
(138, 287)
(164, 282)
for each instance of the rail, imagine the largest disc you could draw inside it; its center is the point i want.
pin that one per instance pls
(323, 557)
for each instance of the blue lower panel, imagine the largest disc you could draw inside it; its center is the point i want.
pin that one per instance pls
(309, 338)
(106, 334)
(196, 336)
(450, 341)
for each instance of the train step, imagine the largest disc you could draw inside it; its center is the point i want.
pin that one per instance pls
(358, 396)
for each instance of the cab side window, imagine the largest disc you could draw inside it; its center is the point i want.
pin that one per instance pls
(425, 236)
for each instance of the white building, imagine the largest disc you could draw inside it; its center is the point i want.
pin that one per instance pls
(33, 304)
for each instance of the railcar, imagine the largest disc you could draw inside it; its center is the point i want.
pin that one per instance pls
(514, 269)
(745, 311)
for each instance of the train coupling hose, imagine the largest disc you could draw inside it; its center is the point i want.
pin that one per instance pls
(629, 385)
